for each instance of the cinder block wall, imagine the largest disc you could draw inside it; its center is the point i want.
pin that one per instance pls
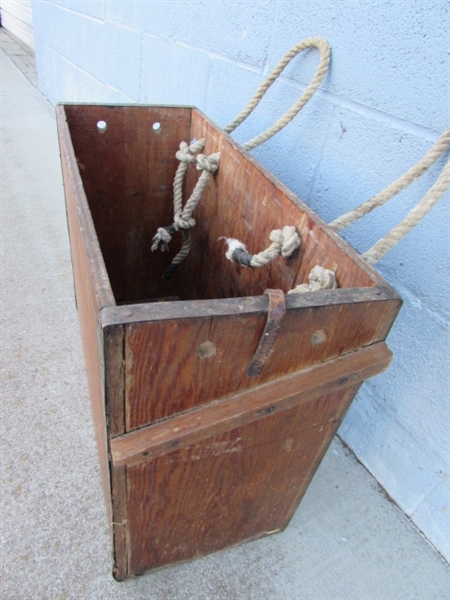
(383, 104)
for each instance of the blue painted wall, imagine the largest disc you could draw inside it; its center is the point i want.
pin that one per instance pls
(383, 104)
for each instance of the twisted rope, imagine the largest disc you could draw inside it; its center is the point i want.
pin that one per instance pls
(312, 42)
(396, 186)
(412, 219)
(183, 220)
(284, 241)
(186, 157)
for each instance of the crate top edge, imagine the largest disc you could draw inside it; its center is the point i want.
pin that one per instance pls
(370, 271)
(126, 105)
(128, 314)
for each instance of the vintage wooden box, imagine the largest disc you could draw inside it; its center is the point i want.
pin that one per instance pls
(196, 455)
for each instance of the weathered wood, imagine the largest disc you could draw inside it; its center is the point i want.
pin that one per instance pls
(92, 292)
(162, 352)
(238, 485)
(127, 174)
(114, 342)
(196, 455)
(248, 406)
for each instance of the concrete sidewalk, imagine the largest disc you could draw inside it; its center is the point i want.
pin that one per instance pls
(347, 540)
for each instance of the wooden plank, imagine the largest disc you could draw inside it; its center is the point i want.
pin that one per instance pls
(168, 373)
(92, 292)
(114, 370)
(162, 358)
(82, 227)
(165, 311)
(246, 407)
(230, 487)
(120, 529)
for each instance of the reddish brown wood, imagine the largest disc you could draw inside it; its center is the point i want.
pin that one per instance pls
(120, 530)
(246, 447)
(248, 406)
(127, 174)
(160, 352)
(92, 293)
(231, 487)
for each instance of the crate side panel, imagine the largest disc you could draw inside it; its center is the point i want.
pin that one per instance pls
(128, 173)
(89, 302)
(245, 202)
(228, 488)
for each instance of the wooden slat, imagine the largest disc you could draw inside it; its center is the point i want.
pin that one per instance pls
(165, 311)
(92, 293)
(120, 529)
(114, 370)
(246, 407)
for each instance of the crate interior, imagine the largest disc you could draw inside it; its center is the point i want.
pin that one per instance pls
(127, 171)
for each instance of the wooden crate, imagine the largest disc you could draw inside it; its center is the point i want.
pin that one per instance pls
(196, 455)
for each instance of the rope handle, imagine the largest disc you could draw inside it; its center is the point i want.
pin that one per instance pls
(322, 69)
(183, 220)
(413, 218)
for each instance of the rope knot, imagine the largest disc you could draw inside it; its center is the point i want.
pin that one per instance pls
(284, 241)
(319, 279)
(181, 222)
(291, 241)
(322, 279)
(184, 154)
(208, 163)
(287, 240)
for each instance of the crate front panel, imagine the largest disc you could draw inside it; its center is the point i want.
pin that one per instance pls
(236, 486)
(167, 371)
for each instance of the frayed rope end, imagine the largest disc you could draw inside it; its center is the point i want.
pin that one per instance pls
(233, 245)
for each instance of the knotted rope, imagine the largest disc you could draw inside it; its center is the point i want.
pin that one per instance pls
(284, 241)
(319, 279)
(183, 220)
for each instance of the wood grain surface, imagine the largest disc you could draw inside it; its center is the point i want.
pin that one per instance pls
(195, 454)
(93, 292)
(247, 406)
(230, 487)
